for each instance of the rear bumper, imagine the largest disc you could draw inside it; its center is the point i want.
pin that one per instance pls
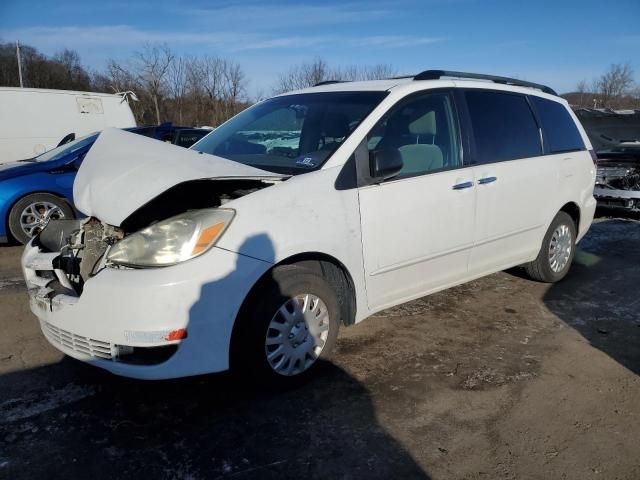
(138, 308)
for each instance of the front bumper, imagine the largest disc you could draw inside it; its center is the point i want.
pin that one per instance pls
(138, 307)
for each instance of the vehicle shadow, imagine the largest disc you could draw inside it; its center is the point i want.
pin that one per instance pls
(86, 423)
(103, 426)
(599, 297)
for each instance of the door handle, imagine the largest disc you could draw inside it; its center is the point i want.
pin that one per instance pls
(486, 180)
(463, 185)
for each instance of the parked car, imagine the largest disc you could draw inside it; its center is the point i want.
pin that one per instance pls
(34, 191)
(618, 177)
(307, 211)
(34, 120)
(616, 135)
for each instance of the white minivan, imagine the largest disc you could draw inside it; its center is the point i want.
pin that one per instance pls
(35, 120)
(307, 212)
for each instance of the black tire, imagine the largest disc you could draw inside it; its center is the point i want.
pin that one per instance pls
(248, 355)
(540, 269)
(15, 227)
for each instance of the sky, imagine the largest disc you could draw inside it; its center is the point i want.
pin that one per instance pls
(557, 43)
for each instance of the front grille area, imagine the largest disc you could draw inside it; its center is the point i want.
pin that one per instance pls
(80, 344)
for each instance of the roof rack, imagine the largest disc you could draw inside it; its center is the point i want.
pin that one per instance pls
(437, 74)
(328, 82)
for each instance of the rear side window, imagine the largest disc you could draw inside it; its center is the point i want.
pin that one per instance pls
(559, 130)
(504, 127)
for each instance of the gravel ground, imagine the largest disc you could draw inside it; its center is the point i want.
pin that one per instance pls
(501, 378)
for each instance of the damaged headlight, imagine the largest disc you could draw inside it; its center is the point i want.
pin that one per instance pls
(173, 240)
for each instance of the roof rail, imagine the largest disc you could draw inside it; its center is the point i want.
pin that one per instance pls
(328, 82)
(437, 74)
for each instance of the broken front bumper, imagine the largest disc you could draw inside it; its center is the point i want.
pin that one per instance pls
(124, 309)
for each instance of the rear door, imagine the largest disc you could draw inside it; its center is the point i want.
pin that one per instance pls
(563, 142)
(516, 183)
(417, 228)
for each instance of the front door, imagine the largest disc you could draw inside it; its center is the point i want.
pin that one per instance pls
(417, 228)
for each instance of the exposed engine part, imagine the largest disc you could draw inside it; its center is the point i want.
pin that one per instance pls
(619, 177)
(82, 244)
(97, 237)
(618, 184)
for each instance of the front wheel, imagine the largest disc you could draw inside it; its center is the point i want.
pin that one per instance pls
(556, 254)
(289, 323)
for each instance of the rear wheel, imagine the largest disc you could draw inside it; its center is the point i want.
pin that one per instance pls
(31, 214)
(288, 324)
(556, 254)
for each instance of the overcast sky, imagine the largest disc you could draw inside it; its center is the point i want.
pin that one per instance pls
(554, 42)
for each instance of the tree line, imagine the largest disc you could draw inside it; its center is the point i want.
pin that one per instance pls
(614, 89)
(187, 90)
(207, 90)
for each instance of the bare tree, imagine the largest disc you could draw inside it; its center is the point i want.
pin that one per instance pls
(615, 84)
(120, 78)
(151, 66)
(367, 72)
(233, 89)
(309, 74)
(178, 83)
(303, 76)
(188, 90)
(582, 91)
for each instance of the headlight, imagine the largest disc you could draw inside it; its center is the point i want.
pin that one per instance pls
(173, 240)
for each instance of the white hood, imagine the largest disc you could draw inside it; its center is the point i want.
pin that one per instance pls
(123, 171)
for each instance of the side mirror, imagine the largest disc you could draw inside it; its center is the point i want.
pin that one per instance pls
(384, 164)
(67, 138)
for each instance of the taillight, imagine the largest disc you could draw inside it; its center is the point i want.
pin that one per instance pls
(594, 157)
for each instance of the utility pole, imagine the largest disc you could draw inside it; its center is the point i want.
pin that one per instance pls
(19, 64)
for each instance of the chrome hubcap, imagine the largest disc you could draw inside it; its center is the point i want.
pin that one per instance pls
(36, 216)
(297, 334)
(560, 248)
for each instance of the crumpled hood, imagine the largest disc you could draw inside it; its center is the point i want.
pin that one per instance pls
(124, 171)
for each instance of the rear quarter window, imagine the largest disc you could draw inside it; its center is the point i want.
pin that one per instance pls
(504, 127)
(559, 130)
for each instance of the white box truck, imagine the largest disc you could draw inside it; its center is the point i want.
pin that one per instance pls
(34, 120)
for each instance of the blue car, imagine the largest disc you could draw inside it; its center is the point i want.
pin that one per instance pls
(39, 189)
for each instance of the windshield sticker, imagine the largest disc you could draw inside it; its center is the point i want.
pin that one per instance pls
(308, 161)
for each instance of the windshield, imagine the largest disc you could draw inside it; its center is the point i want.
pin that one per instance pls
(66, 149)
(291, 134)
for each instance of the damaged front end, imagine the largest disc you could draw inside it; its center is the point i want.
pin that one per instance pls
(618, 179)
(70, 252)
(67, 254)
(94, 283)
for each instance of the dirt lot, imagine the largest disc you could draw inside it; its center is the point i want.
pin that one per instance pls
(501, 378)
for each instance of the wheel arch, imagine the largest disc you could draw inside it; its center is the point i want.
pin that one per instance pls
(573, 210)
(325, 265)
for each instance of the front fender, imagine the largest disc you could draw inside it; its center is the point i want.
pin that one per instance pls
(301, 215)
